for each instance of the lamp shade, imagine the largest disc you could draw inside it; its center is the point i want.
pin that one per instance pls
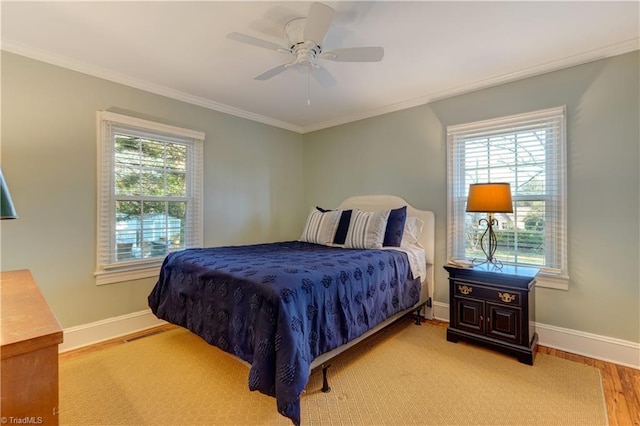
(7, 211)
(489, 198)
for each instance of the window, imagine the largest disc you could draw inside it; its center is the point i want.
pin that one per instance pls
(527, 151)
(149, 195)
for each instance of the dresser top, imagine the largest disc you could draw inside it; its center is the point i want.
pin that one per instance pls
(27, 322)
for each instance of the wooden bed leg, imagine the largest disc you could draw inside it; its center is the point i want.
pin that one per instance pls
(325, 382)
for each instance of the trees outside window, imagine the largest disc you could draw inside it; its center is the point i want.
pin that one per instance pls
(150, 189)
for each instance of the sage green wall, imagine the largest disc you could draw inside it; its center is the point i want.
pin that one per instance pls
(252, 181)
(404, 153)
(260, 181)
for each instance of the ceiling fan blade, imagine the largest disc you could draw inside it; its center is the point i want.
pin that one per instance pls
(255, 41)
(272, 72)
(355, 54)
(324, 77)
(318, 22)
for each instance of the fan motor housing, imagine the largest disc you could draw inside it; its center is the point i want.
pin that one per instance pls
(305, 51)
(294, 31)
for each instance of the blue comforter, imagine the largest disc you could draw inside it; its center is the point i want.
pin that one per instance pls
(278, 306)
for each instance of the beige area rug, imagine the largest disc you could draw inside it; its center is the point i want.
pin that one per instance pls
(404, 375)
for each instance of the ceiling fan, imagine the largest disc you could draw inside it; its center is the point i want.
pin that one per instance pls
(305, 41)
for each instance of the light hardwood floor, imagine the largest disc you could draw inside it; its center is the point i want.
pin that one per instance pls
(621, 384)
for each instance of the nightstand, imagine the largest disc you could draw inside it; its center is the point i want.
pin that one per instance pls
(495, 308)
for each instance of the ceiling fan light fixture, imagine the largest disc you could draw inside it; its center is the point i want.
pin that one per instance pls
(305, 37)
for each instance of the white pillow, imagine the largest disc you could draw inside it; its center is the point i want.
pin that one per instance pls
(366, 230)
(412, 232)
(321, 227)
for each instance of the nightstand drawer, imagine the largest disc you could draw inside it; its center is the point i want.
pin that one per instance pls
(508, 297)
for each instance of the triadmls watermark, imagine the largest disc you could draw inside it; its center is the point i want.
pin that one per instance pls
(27, 420)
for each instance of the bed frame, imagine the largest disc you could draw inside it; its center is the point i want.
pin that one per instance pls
(384, 202)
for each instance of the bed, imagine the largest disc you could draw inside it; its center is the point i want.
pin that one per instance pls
(287, 308)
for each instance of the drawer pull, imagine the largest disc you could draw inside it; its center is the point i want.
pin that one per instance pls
(506, 297)
(465, 289)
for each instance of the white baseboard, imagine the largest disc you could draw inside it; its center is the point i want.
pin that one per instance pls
(604, 348)
(111, 328)
(441, 311)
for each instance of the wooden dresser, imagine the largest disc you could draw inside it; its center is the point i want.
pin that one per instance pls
(30, 335)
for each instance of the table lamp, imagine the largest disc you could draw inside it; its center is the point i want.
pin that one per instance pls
(489, 198)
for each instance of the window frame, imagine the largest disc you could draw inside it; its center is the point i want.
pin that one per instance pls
(108, 271)
(456, 193)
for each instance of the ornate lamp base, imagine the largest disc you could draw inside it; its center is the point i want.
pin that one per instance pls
(492, 242)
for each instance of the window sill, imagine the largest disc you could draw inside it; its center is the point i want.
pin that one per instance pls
(552, 281)
(131, 274)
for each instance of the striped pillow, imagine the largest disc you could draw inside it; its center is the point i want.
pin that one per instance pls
(343, 226)
(321, 227)
(367, 229)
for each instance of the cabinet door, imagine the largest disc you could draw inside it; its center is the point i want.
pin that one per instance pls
(469, 315)
(503, 322)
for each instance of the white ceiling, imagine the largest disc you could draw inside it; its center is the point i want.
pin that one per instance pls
(432, 49)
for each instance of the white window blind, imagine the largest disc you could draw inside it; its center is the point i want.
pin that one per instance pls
(149, 195)
(528, 152)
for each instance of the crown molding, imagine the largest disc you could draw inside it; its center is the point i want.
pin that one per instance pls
(126, 80)
(590, 56)
(582, 58)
